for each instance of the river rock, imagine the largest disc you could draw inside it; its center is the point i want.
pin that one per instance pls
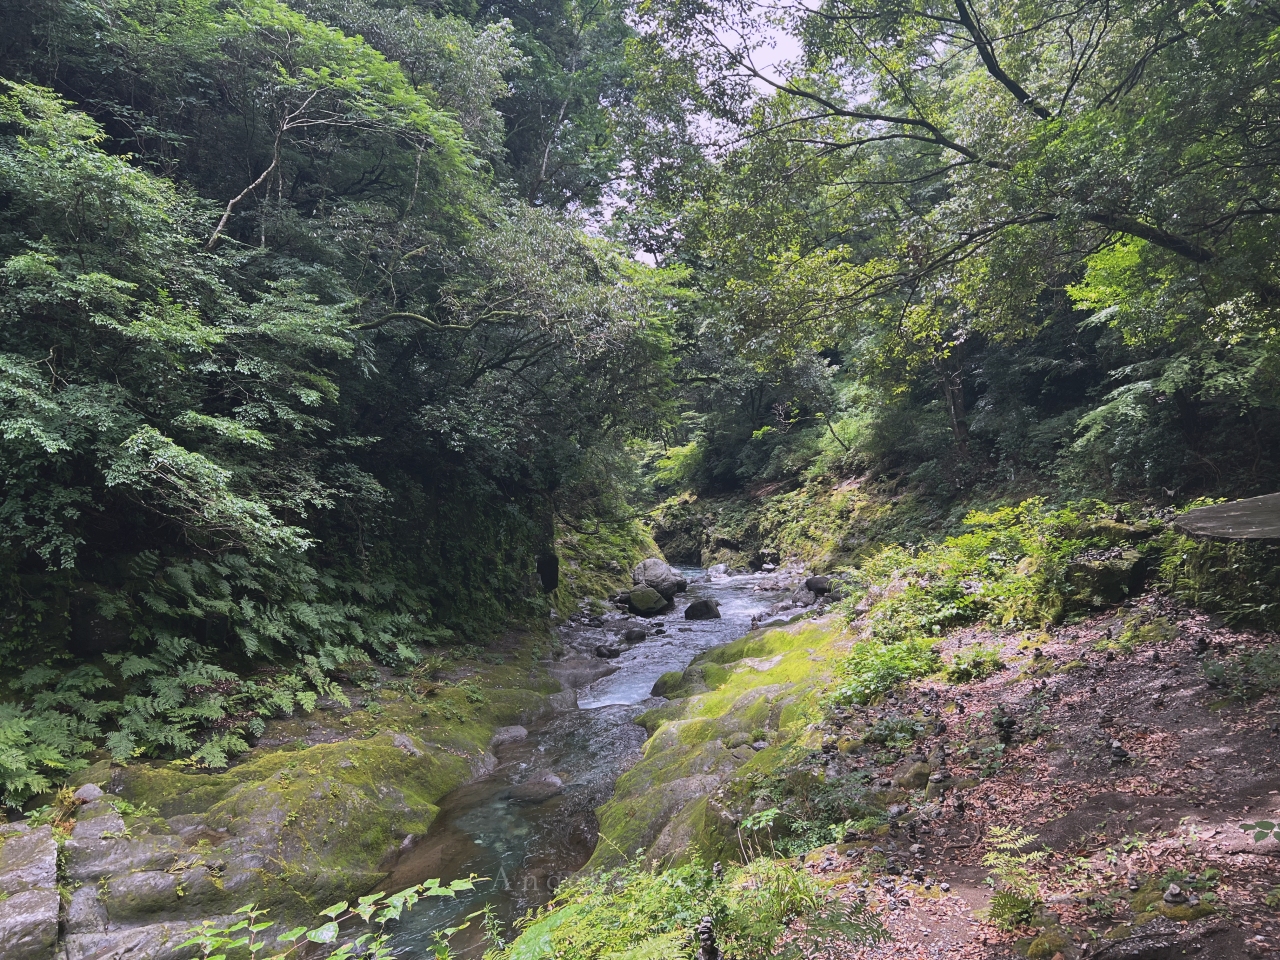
(818, 585)
(508, 735)
(88, 793)
(646, 601)
(30, 927)
(95, 828)
(90, 858)
(634, 635)
(656, 574)
(703, 609)
(606, 652)
(85, 912)
(28, 859)
(541, 788)
(28, 880)
(153, 941)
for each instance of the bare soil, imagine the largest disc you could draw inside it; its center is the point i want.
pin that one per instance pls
(1125, 763)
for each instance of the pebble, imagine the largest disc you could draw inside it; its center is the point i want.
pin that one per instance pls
(1174, 894)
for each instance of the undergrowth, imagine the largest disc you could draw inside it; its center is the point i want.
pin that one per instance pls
(1239, 579)
(976, 663)
(1017, 892)
(639, 911)
(1008, 569)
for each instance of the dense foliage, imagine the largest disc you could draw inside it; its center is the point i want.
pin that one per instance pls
(290, 377)
(639, 911)
(997, 238)
(306, 356)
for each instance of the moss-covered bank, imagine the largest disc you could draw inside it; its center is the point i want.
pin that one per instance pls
(318, 812)
(680, 799)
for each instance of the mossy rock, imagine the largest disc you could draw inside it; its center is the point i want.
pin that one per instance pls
(1104, 582)
(299, 826)
(914, 776)
(673, 685)
(596, 563)
(646, 601)
(695, 679)
(1114, 532)
(1050, 941)
(1148, 904)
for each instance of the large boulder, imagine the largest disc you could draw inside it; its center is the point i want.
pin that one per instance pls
(658, 575)
(704, 609)
(28, 883)
(539, 787)
(818, 585)
(1107, 577)
(646, 601)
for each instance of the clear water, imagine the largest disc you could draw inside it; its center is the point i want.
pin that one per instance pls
(525, 850)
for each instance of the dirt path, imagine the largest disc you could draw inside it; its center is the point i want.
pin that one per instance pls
(1122, 759)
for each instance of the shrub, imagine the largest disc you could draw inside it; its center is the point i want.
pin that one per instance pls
(1246, 675)
(250, 936)
(895, 731)
(1009, 568)
(976, 663)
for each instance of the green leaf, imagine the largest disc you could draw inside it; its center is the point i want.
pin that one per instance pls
(326, 934)
(336, 909)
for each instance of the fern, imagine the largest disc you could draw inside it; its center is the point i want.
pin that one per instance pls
(1017, 892)
(37, 748)
(1009, 910)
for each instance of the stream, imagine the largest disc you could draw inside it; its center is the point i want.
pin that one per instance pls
(502, 826)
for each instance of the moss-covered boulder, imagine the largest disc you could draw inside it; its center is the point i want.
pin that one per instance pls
(694, 679)
(646, 601)
(1109, 579)
(1050, 942)
(1149, 904)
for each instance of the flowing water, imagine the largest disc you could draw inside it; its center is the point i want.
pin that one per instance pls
(524, 844)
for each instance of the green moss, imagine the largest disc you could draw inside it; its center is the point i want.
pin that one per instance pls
(1052, 940)
(822, 526)
(670, 685)
(714, 675)
(596, 563)
(767, 684)
(1148, 904)
(326, 815)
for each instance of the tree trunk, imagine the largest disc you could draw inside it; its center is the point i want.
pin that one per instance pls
(953, 391)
